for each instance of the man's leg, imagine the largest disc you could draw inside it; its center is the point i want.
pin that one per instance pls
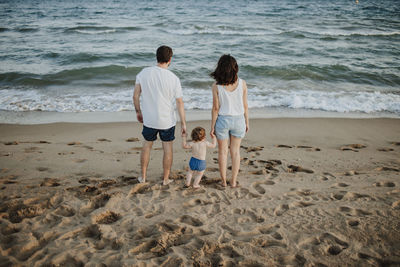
(167, 160)
(145, 158)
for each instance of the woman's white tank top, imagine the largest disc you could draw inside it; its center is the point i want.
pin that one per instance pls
(231, 103)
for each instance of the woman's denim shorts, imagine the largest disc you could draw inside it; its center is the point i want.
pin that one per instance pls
(230, 125)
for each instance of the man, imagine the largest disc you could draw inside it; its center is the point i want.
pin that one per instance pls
(159, 88)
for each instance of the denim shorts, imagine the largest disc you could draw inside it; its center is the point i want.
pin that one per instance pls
(197, 164)
(166, 135)
(230, 125)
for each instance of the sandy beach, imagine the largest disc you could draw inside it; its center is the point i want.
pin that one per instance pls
(314, 192)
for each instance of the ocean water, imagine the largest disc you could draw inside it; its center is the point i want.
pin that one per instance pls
(83, 56)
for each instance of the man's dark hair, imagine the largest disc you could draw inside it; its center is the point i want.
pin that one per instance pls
(226, 71)
(164, 54)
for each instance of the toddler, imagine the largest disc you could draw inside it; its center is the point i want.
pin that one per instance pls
(197, 163)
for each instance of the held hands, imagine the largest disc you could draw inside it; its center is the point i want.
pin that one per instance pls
(212, 133)
(247, 128)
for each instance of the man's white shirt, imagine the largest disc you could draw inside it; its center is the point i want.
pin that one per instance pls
(160, 89)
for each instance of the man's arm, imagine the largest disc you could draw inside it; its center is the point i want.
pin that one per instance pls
(181, 110)
(136, 102)
(186, 145)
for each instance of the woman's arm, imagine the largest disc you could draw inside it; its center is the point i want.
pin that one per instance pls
(245, 106)
(215, 109)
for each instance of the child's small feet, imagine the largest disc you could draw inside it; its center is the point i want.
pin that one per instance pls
(186, 186)
(141, 180)
(167, 182)
(197, 186)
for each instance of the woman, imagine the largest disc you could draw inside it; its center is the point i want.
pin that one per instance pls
(230, 120)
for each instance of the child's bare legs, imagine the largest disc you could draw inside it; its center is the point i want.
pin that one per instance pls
(235, 155)
(223, 158)
(189, 177)
(197, 178)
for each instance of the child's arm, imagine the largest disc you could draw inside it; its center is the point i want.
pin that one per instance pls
(184, 144)
(213, 144)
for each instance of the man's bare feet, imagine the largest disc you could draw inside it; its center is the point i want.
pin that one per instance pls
(167, 182)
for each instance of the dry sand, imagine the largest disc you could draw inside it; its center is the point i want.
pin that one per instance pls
(314, 192)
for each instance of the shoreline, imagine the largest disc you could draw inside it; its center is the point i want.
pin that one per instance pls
(45, 117)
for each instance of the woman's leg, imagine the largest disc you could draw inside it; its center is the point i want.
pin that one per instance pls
(235, 155)
(223, 158)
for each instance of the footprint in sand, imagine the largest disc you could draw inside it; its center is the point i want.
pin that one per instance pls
(395, 143)
(106, 183)
(51, 182)
(353, 223)
(284, 146)
(385, 184)
(103, 140)
(252, 148)
(257, 186)
(190, 220)
(74, 143)
(140, 189)
(351, 173)
(293, 168)
(338, 196)
(385, 149)
(352, 147)
(309, 148)
(65, 211)
(79, 160)
(255, 217)
(42, 169)
(107, 217)
(341, 185)
(12, 143)
(387, 169)
(354, 212)
(281, 209)
(92, 231)
(132, 139)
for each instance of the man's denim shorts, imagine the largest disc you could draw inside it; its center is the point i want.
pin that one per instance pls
(166, 135)
(230, 125)
(197, 164)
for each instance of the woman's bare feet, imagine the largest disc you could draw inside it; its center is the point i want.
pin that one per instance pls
(223, 183)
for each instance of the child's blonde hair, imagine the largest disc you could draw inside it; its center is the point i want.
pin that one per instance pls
(198, 134)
